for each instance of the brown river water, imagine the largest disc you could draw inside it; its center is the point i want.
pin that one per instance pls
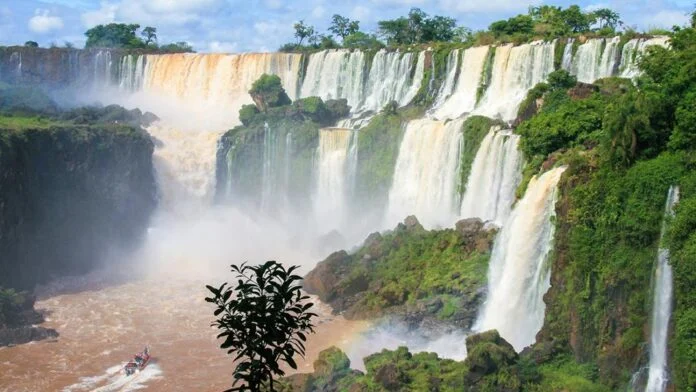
(103, 327)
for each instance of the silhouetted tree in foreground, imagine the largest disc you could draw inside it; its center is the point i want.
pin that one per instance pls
(264, 321)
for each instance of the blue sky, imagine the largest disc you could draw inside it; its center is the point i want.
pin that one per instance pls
(263, 25)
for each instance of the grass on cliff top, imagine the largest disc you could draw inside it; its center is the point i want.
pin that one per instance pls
(12, 123)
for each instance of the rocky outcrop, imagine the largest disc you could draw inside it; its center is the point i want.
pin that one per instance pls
(418, 277)
(18, 319)
(70, 195)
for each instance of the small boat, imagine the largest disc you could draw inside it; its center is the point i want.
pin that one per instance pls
(138, 363)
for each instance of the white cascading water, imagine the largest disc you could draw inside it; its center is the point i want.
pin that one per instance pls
(425, 175)
(516, 69)
(203, 91)
(567, 60)
(336, 164)
(450, 79)
(658, 373)
(495, 174)
(463, 98)
(632, 51)
(393, 76)
(518, 273)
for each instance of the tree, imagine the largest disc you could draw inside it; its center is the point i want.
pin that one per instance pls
(577, 21)
(31, 44)
(177, 47)
(360, 40)
(302, 31)
(626, 119)
(343, 27)
(520, 24)
(395, 31)
(417, 28)
(150, 35)
(264, 324)
(462, 34)
(267, 92)
(438, 28)
(114, 35)
(607, 18)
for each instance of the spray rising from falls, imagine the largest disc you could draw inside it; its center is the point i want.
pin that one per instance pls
(518, 274)
(495, 174)
(337, 159)
(662, 308)
(425, 176)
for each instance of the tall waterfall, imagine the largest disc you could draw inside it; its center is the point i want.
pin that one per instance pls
(495, 174)
(632, 51)
(450, 79)
(204, 90)
(658, 374)
(463, 98)
(516, 69)
(425, 176)
(392, 76)
(595, 59)
(519, 274)
(337, 159)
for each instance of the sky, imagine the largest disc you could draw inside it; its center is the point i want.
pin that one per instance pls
(264, 25)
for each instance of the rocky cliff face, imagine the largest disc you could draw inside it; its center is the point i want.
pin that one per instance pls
(69, 194)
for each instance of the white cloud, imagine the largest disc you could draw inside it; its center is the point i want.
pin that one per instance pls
(595, 7)
(318, 12)
(105, 14)
(223, 47)
(273, 4)
(488, 5)
(360, 13)
(666, 19)
(171, 6)
(43, 22)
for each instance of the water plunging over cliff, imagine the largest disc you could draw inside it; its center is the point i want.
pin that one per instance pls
(463, 97)
(336, 163)
(518, 273)
(658, 374)
(632, 51)
(425, 176)
(495, 174)
(596, 59)
(515, 70)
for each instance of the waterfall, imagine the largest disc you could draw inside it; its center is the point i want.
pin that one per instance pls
(495, 174)
(334, 74)
(596, 59)
(567, 60)
(658, 374)
(632, 51)
(448, 84)
(425, 176)
(204, 90)
(184, 165)
(519, 274)
(393, 76)
(516, 69)
(463, 99)
(336, 164)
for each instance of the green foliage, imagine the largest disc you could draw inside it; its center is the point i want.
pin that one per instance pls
(31, 44)
(561, 79)
(363, 41)
(150, 35)
(520, 24)
(114, 35)
(11, 302)
(343, 27)
(417, 27)
(176, 47)
(564, 374)
(268, 92)
(264, 324)
(303, 31)
(247, 114)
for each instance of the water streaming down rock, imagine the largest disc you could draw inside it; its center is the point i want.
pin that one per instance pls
(515, 70)
(425, 176)
(495, 174)
(658, 373)
(392, 76)
(336, 164)
(632, 51)
(450, 79)
(518, 274)
(567, 60)
(463, 98)
(204, 90)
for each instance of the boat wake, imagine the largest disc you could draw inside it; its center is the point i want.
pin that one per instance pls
(114, 379)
